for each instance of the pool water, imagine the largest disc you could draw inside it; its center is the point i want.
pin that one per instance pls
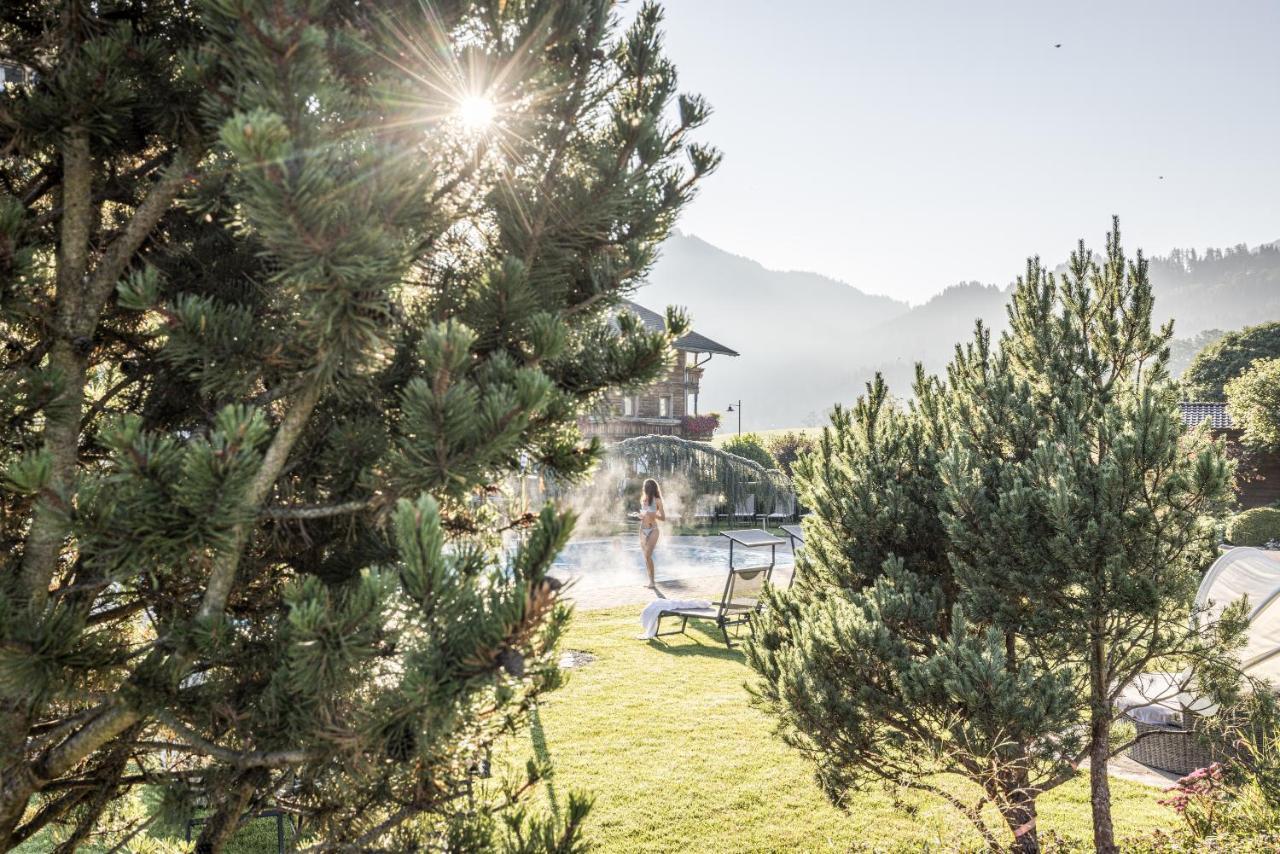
(618, 562)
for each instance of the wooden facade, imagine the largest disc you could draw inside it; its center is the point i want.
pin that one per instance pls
(658, 409)
(1257, 474)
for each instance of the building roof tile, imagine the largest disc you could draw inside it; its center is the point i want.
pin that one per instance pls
(693, 342)
(1194, 413)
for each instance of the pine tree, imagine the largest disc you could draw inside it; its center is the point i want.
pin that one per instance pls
(871, 662)
(985, 570)
(1093, 544)
(287, 291)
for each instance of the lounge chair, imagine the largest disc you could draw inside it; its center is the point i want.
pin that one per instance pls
(1164, 707)
(795, 533)
(745, 508)
(742, 589)
(784, 508)
(705, 510)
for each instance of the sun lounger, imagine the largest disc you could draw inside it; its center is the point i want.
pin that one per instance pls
(784, 508)
(745, 508)
(742, 588)
(704, 510)
(795, 533)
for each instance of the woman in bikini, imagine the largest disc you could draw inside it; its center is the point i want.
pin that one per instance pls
(651, 512)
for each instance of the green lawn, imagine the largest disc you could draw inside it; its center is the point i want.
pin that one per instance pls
(663, 737)
(256, 836)
(665, 740)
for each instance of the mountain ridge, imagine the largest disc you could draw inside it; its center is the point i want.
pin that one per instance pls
(808, 341)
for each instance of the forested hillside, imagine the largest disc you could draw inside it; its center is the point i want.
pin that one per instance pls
(808, 341)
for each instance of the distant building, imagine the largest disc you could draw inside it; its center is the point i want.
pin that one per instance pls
(1257, 474)
(661, 408)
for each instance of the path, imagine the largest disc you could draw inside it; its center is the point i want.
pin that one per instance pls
(703, 581)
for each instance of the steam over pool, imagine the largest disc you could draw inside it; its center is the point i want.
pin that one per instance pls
(617, 561)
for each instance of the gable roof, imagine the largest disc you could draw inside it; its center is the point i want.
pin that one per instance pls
(1194, 413)
(691, 341)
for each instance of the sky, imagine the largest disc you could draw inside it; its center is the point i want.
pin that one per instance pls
(903, 146)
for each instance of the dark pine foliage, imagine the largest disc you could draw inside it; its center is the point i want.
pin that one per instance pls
(988, 567)
(277, 324)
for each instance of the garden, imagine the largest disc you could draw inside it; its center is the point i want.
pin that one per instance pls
(298, 298)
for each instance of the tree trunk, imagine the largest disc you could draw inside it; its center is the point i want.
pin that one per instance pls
(16, 786)
(1020, 815)
(1100, 749)
(220, 826)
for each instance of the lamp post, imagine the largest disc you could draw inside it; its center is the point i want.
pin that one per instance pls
(739, 411)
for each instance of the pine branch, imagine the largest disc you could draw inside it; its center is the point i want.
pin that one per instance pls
(225, 564)
(61, 432)
(119, 253)
(117, 715)
(51, 811)
(320, 511)
(115, 190)
(396, 819)
(235, 758)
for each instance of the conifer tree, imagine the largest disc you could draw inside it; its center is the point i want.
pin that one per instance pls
(985, 570)
(286, 291)
(1093, 545)
(871, 662)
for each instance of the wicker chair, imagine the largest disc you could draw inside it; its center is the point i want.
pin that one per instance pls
(1179, 750)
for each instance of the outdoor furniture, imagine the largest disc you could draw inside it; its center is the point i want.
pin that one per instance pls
(704, 510)
(742, 588)
(1167, 705)
(784, 508)
(1163, 710)
(795, 533)
(744, 508)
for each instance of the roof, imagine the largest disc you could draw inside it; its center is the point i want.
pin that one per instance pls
(1195, 413)
(693, 342)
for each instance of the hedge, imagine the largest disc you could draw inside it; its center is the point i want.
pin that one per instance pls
(1255, 527)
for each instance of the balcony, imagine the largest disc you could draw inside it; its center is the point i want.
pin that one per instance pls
(628, 426)
(692, 378)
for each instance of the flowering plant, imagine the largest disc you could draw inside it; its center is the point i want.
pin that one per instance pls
(700, 426)
(1198, 798)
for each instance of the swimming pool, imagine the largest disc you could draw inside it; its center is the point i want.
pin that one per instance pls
(617, 561)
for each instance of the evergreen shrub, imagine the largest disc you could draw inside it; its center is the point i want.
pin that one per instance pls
(1255, 527)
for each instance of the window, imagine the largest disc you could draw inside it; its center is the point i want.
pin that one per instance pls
(664, 406)
(628, 405)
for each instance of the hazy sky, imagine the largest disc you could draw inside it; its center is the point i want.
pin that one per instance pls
(904, 146)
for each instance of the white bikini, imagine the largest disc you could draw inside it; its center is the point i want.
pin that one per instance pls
(651, 507)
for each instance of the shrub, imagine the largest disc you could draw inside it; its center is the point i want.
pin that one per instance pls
(787, 448)
(1199, 798)
(751, 446)
(1255, 527)
(1234, 805)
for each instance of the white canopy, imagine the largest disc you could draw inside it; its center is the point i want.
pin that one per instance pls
(1256, 574)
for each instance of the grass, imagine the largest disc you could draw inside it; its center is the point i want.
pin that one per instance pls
(256, 836)
(664, 739)
(662, 735)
